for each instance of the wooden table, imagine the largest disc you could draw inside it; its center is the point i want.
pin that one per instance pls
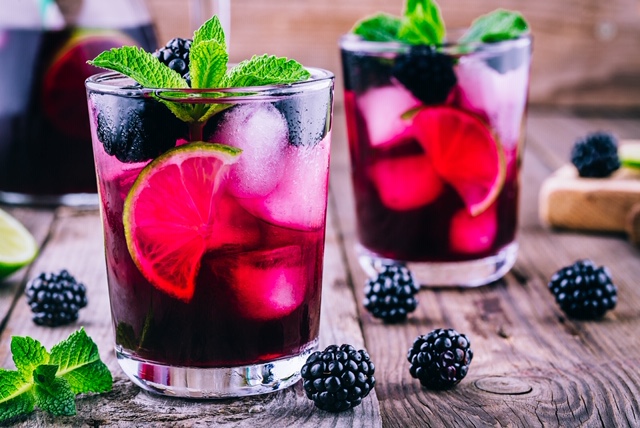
(532, 366)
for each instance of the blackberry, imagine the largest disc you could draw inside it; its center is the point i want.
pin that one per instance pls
(596, 155)
(55, 298)
(583, 290)
(338, 378)
(391, 295)
(175, 55)
(426, 73)
(440, 359)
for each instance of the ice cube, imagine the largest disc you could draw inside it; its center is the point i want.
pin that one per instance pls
(269, 284)
(500, 98)
(407, 182)
(382, 109)
(470, 235)
(261, 131)
(308, 116)
(299, 201)
(234, 225)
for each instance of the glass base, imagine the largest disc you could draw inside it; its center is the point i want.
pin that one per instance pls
(212, 383)
(79, 200)
(471, 273)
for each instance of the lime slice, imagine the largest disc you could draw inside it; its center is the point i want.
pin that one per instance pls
(629, 154)
(170, 217)
(17, 246)
(463, 153)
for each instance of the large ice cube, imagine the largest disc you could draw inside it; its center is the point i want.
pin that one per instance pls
(299, 201)
(382, 109)
(470, 235)
(262, 133)
(269, 284)
(501, 98)
(407, 182)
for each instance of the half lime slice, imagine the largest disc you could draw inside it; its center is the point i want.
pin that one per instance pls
(17, 246)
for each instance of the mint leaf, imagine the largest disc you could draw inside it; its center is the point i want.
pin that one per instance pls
(45, 374)
(422, 23)
(496, 26)
(56, 397)
(210, 30)
(28, 354)
(141, 66)
(265, 70)
(208, 64)
(16, 395)
(79, 364)
(381, 27)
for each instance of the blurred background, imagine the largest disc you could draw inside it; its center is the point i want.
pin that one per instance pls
(586, 52)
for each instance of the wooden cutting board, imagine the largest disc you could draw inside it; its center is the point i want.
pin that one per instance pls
(610, 204)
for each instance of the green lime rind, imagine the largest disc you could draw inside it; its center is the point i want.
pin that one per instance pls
(17, 246)
(227, 154)
(629, 155)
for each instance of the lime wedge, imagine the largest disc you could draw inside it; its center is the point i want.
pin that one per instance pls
(629, 154)
(17, 246)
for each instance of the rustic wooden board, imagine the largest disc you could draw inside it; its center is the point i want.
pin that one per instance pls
(75, 243)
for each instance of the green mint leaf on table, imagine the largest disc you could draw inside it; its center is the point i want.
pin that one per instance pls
(16, 395)
(54, 395)
(79, 363)
(422, 23)
(381, 27)
(28, 354)
(496, 26)
(51, 381)
(141, 66)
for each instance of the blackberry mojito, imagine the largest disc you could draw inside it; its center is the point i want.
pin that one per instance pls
(45, 142)
(213, 202)
(435, 142)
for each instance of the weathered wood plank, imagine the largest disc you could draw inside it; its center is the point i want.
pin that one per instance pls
(76, 244)
(532, 365)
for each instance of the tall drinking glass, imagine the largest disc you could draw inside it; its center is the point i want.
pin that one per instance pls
(435, 137)
(214, 231)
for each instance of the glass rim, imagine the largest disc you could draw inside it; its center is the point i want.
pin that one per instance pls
(99, 83)
(355, 43)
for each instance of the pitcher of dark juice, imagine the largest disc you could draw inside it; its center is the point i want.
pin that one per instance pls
(45, 140)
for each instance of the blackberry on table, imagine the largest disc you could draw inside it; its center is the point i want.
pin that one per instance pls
(596, 155)
(426, 73)
(338, 378)
(440, 359)
(55, 298)
(175, 55)
(584, 290)
(391, 295)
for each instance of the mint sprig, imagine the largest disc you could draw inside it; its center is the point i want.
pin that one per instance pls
(208, 59)
(422, 23)
(51, 381)
(496, 26)
(381, 27)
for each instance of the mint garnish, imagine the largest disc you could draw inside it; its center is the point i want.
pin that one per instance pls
(496, 26)
(51, 381)
(208, 60)
(381, 27)
(422, 23)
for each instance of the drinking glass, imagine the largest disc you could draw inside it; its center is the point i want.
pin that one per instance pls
(214, 230)
(436, 154)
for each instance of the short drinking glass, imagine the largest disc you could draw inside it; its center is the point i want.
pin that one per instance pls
(435, 137)
(214, 231)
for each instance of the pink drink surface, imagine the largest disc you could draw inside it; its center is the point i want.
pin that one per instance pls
(45, 142)
(257, 292)
(408, 206)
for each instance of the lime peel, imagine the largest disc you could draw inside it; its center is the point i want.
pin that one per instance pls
(17, 246)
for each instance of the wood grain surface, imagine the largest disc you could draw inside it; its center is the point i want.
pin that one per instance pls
(532, 365)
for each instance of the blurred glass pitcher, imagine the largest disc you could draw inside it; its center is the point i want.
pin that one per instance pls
(45, 140)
